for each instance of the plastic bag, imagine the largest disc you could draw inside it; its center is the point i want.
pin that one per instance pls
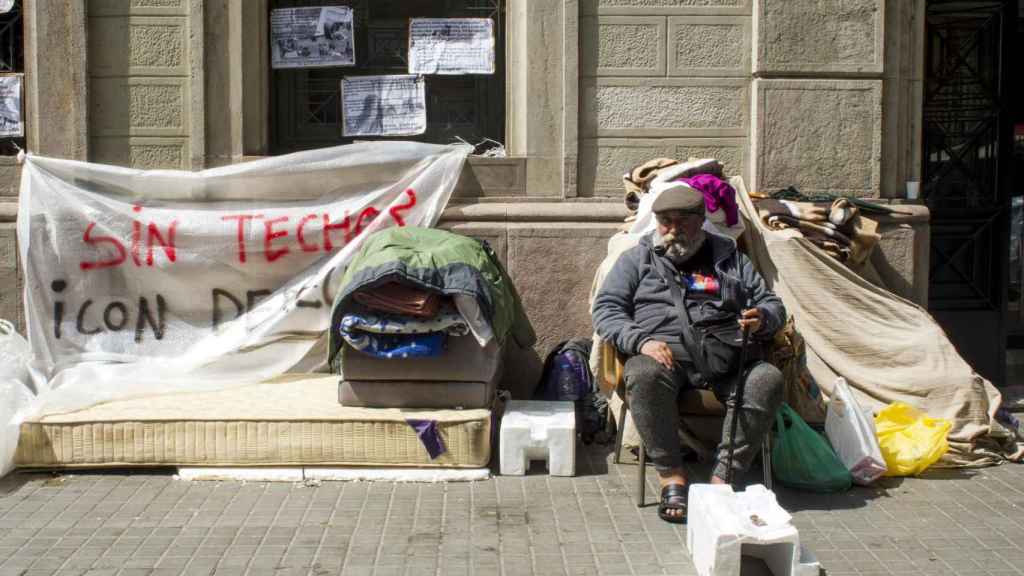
(803, 459)
(16, 396)
(852, 434)
(910, 440)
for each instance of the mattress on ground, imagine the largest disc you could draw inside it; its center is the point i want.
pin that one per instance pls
(286, 422)
(417, 394)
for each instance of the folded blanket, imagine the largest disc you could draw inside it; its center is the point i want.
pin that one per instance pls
(400, 299)
(839, 230)
(393, 346)
(843, 212)
(781, 222)
(801, 210)
(447, 320)
(398, 336)
(639, 178)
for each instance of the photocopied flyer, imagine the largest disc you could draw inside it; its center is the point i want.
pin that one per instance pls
(384, 105)
(451, 46)
(11, 123)
(312, 37)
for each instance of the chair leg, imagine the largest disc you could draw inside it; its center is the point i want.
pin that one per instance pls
(641, 487)
(766, 459)
(619, 432)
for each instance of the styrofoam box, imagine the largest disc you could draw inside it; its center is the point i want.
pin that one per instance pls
(724, 525)
(538, 430)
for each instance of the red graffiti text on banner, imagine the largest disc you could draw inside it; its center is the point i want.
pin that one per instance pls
(147, 240)
(154, 237)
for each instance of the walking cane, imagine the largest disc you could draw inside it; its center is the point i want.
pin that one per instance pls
(737, 400)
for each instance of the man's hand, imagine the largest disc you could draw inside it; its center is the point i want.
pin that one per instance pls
(659, 351)
(750, 320)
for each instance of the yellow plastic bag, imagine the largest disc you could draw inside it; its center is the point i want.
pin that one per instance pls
(911, 441)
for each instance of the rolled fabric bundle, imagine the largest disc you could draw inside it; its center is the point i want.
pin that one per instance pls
(400, 299)
(842, 212)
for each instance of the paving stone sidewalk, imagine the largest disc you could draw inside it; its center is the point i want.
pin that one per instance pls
(949, 522)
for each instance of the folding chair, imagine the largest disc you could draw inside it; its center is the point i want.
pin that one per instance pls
(693, 403)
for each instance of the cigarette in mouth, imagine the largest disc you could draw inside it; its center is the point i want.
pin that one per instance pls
(669, 238)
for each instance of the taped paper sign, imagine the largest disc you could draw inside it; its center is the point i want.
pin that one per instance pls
(139, 282)
(312, 37)
(451, 46)
(6, 5)
(384, 105)
(11, 122)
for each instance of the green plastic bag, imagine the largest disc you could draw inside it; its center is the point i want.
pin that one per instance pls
(803, 459)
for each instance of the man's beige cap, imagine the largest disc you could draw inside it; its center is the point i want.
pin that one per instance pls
(678, 196)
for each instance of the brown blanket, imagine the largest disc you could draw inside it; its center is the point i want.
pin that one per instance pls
(400, 299)
(838, 229)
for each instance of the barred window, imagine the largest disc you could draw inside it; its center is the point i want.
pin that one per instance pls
(12, 60)
(306, 103)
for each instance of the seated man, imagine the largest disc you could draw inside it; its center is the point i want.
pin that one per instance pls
(658, 325)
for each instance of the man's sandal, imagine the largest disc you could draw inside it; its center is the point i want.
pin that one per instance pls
(673, 497)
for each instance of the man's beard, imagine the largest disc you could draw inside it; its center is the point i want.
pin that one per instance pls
(680, 249)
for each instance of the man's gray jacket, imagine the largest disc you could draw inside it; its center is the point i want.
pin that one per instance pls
(635, 303)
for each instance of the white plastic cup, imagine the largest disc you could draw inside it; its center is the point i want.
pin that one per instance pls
(913, 189)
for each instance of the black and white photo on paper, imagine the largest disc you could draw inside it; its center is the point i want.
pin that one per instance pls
(11, 123)
(384, 105)
(312, 37)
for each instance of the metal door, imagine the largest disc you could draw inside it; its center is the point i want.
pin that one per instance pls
(965, 173)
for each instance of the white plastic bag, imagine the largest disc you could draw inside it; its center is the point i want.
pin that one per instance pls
(852, 434)
(16, 392)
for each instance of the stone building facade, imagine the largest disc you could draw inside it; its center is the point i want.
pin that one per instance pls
(821, 94)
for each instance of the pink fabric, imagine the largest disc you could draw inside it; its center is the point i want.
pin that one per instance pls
(718, 194)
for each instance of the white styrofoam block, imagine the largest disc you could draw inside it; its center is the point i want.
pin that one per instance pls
(538, 430)
(724, 525)
(399, 474)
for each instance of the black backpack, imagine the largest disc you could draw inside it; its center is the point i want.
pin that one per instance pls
(566, 377)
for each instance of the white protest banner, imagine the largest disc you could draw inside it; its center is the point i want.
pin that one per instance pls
(139, 282)
(312, 37)
(384, 105)
(451, 46)
(11, 122)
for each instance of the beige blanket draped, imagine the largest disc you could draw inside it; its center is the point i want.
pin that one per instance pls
(888, 348)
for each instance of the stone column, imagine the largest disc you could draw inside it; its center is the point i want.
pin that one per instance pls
(903, 90)
(237, 78)
(536, 90)
(55, 119)
(56, 89)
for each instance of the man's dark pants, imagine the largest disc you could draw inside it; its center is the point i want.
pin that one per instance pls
(653, 392)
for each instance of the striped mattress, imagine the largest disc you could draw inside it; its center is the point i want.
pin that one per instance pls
(292, 421)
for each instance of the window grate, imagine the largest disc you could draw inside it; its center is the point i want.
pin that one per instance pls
(306, 106)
